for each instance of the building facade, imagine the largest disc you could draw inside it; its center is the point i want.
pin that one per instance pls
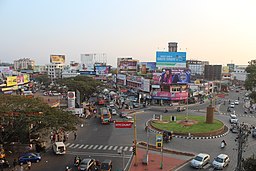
(25, 63)
(54, 70)
(212, 72)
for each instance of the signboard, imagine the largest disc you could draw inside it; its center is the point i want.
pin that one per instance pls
(20, 79)
(101, 70)
(145, 85)
(225, 69)
(171, 59)
(71, 99)
(159, 140)
(123, 124)
(26, 78)
(129, 65)
(11, 81)
(57, 59)
(175, 76)
(146, 67)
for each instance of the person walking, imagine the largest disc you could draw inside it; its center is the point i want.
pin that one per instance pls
(75, 135)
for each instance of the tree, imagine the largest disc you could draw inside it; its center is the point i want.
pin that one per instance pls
(249, 164)
(250, 82)
(43, 79)
(21, 116)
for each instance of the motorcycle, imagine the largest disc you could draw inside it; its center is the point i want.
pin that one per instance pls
(222, 145)
(77, 162)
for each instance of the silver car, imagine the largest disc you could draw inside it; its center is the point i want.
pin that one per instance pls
(200, 160)
(86, 164)
(220, 161)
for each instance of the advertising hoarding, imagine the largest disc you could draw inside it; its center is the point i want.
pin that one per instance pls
(171, 59)
(71, 99)
(130, 65)
(26, 78)
(11, 81)
(101, 70)
(145, 85)
(225, 69)
(20, 79)
(57, 59)
(146, 67)
(124, 124)
(169, 96)
(87, 62)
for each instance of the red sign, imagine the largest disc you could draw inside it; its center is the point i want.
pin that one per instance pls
(123, 124)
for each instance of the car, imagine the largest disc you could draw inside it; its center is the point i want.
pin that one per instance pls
(111, 104)
(86, 164)
(233, 119)
(221, 161)
(234, 128)
(113, 111)
(106, 165)
(129, 118)
(122, 115)
(200, 160)
(232, 105)
(236, 102)
(136, 105)
(253, 132)
(33, 158)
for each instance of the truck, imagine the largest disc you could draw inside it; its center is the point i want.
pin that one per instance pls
(105, 116)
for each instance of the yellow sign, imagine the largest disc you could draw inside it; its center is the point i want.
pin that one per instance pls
(57, 59)
(225, 69)
(11, 81)
(26, 78)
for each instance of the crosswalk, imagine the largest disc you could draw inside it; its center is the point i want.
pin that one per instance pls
(98, 147)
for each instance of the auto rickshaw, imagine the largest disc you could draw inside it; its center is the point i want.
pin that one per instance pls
(167, 136)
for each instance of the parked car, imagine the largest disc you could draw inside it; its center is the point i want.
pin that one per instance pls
(253, 132)
(113, 111)
(232, 105)
(86, 164)
(233, 119)
(221, 161)
(33, 158)
(200, 160)
(129, 119)
(106, 165)
(181, 108)
(122, 115)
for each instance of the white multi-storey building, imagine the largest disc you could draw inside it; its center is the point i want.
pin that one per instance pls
(239, 72)
(25, 63)
(54, 70)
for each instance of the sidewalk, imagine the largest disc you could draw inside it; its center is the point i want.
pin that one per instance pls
(170, 161)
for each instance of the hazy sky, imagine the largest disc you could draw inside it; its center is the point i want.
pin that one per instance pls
(221, 31)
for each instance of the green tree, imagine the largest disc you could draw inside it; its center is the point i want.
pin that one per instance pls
(249, 164)
(250, 82)
(43, 79)
(21, 116)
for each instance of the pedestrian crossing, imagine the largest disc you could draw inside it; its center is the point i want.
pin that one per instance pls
(98, 147)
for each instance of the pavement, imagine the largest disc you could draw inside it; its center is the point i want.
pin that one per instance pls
(170, 161)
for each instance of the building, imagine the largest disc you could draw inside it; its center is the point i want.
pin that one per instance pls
(127, 65)
(239, 72)
(197, 68)
(172, 47)
(40, 69)
(212, 72)
(88, 61)
(25, 63)
(54, 70)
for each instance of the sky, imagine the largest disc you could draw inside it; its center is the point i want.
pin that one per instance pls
(220, 31)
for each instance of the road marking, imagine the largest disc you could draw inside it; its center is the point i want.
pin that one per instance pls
(67, 144)
(115, 148)
(130, 149)
(71, 145)
(100, 147)
(90, 147)
(105, 147)
(125, 148)
(95, 147)
(76, 145)
(81, 146)
(85, 146)
(114, 155)
(110, 147)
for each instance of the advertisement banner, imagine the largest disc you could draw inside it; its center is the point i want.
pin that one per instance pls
(128, 65)
(11, 81)
(161, 95)
(20, 79)
(225, 69)
(26, 78)
(146, 67)
(156, 80)
(179, 96)
(123, 124)
(101, 70)
(71, 99)
(145, 85)
(57, 59)
(171, 59)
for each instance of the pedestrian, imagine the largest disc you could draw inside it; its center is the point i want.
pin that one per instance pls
(75, 135)
(29, 165)
(14, 163)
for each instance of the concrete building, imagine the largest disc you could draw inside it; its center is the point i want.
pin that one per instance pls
(197, 68)
(172, 47)
(54, 70)
(25, 63)
(239, 72)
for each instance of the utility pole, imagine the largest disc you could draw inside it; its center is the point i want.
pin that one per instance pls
(242, 138)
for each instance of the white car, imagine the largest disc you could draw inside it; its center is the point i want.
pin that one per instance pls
(236, 102)
(200, 160)
(220, 161)
(232, 105)
(233, 119)
(113, 111)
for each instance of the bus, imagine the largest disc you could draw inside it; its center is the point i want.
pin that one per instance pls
(105, 116)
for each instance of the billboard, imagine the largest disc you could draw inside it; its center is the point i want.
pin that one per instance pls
(11, 81)
(130, 65)
(225, 69)
(20, 79)
(71, 99)
(26, 78)
(146, 67)
(57, 59)
(145, 85)
(169, 95)
(170, 59)
(101, 70)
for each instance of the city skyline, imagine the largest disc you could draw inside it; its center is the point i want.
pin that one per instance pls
(215, 31)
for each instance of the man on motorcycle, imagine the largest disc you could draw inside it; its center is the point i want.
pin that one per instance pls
(223, 143)
(77, 160)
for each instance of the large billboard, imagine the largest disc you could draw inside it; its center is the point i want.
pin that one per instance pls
(146, 67)
(57, 59)
(171, 59)
(102, 70)
(11, 81)
(130, 65)
(225, 69)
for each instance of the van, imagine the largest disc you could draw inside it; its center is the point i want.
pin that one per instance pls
(59, 148)
(106, 165)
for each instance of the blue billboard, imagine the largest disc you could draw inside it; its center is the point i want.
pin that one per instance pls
(171, 59)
